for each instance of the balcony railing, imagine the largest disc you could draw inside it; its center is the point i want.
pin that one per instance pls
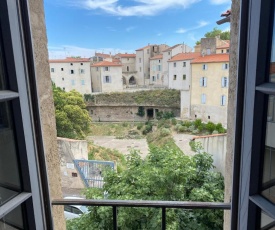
(145, 204)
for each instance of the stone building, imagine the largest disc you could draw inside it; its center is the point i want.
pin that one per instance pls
(106, 76)
(209, 88)
(72, 74)
(156, 73)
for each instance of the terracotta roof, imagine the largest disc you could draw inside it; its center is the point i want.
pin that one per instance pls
(126, 55)
(116, 60)
(160, 56)
(184, 56)
(170, 48)
(105, 63)
(69, 60)
(145, 47)
(211, 58)
(103, 55)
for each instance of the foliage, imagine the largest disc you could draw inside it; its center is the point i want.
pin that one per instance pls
(72, 118)
(165, 115)
(148, 128)
(165, 174)
(110, 129)
(139, 126)
(163, 97)
(224, 35)
(141, 111)
(88, 97)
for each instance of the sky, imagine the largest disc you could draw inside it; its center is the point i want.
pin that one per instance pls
(83, 27)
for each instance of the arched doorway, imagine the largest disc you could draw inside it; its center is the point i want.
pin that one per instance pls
(132, 80)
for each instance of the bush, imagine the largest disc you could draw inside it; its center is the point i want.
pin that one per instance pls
(124, 124)
(147, 129)
(141, 111)
(215, 132)
(197, 123)
(139, 126)
(165, 115)
(191, 128)
(174, 121)
(187, 123)
(164, 132)
(196, 131)
(210, 127)
(183, 129)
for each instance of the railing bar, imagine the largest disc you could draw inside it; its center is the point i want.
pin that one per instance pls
(115, 217)
(163, 219)
(144, 203)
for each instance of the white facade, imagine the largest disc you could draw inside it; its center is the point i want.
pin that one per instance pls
(156, 74)
(168, 54)
(107, 77)
(72, 74)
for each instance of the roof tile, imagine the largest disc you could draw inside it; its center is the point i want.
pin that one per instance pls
(211, 58)
(184, 56)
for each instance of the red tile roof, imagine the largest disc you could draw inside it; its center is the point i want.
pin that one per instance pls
(145, 47)
(126, 55)
(211, 58)
(170, 48)
(160, 56)
(69, 60)
(184, 56)
(105, 63)
(103, 55)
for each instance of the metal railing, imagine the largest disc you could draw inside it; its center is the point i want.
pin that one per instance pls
(145, 204)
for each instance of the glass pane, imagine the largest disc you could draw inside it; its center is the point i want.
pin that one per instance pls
(9, 172)
(267, 222)
(13, 220)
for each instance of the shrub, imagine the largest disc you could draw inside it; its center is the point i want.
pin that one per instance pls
(139, 126)
(196, 131)
(215, 132)
(165, 115)
(164, 132)
(187, 123)
(210, 126)
(124, 124)
(197, 123)
(147, 129)
(174, 121)
(141, 111)
(177, 126)
(191, 128)
(183, 129)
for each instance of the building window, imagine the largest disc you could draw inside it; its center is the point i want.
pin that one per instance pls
(184, 64)
(158, 76)
(208, 51)
(72, 71)
(127, 68)
(106, 68)
(52, 70)
(97, 68)
(222, 51)
(82, 71)
(139, 60)
(62, 78)
(147, 51)
(149, 69)
(223, 100)
(81, 63)
(169, 53)
(62, 69)
(225, 66)
(224, 82)
(64, 89)
(107, 79)
(175, 77)
(82, 82)
(159, 67)
(153, 78)
(204, 66)
(73, 82)
(203, 98)
(71, 63)
(227, 51)
(203, 81)
(175, 64)
(139, 69)
(159, 61)
(184, 77)
(74, 174)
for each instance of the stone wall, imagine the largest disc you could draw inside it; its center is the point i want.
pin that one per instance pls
(125, 113)
(69, 150)
(216, 146)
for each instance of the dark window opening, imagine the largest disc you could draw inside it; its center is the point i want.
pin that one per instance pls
(74, 174)
(208, 117)
(62, 69)
(81, 63)
(71, 63)
(195, 116)
(150, 113)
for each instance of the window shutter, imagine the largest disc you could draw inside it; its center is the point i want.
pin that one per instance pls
(201, 80)
(221, 100)
(206, 66)
(110, 79)
(205, 81)
(223, 85)
(104, 79)
(224, 100)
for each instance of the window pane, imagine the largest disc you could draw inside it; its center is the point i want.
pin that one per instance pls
(9, 172)
(13, 220)
(267, 222)
(268, 185)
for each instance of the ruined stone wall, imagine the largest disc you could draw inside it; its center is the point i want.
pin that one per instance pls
(124, 113)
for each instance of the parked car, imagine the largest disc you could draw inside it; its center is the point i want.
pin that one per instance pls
(74, 211)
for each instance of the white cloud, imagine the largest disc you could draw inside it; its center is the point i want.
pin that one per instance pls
(130, 28)
(59, 52)
(159, 34)
(141, 7)
(219, 2)
(200, 25)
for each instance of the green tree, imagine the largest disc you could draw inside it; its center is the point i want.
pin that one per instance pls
(224, 35)
(72, 117)
(165, 174)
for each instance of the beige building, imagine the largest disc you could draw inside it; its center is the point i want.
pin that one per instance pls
(179, 77)
(143, 56)
(223, 48)
(129, 73)
(168, 54)
(72, 74)
(156, 67)
(209, 88)
(106, 77)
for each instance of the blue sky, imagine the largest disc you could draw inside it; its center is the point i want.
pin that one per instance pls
(81, 27)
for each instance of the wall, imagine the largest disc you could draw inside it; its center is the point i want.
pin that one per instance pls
(213, 92)
(179, 70)
(216, 146)
(58, 75)
(140, 67)
(154, 71)
(47, 114)
(185, 104)
(208, 43)
(123, 113)
(69, 150)
(116, 84)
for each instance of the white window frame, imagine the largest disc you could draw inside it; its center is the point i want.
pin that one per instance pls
(52, 70)
(203, 81)
(224, 82)
(82, 71)
(223, 100)
(106, 68)
(203, 98)
(204, 66)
